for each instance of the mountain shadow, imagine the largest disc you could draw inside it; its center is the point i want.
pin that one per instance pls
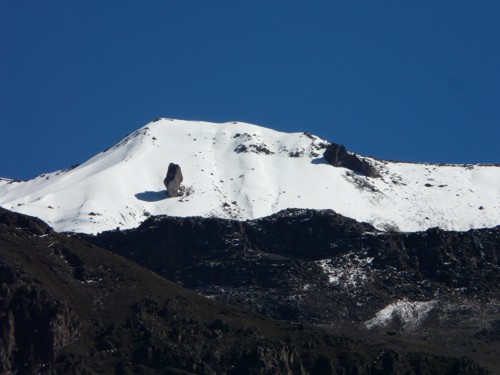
(320, 161)
(152, 196)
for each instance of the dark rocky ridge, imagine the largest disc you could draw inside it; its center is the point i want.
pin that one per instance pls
(114, 317)
(28, 223)
(467, 260)
(122, 319)
(272, 266)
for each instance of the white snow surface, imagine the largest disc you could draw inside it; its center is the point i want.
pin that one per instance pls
(409, 314)
(273, 171)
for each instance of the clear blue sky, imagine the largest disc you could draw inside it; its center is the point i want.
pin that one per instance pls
(407, 80)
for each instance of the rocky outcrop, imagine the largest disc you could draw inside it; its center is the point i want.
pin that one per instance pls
(173, 180)
(338, 156)
(34, 326)
(312, 266)
(30, 224)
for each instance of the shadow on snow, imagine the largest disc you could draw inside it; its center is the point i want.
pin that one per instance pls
(152, 196)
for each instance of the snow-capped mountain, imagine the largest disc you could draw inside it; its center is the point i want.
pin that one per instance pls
(243, 171)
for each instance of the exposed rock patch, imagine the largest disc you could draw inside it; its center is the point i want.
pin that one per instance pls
(28, 223)
(338, 156)
(251, 143)
(255, 148)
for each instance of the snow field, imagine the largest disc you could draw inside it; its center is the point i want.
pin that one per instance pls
(243, 171)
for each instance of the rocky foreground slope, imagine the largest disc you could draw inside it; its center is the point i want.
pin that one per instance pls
(68, 307)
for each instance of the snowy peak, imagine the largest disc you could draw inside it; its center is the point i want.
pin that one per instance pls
(243, 171)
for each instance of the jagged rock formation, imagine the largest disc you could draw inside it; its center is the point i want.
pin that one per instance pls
(338, 156)
(173, 180)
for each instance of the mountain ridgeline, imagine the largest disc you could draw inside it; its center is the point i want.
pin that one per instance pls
(243, 172)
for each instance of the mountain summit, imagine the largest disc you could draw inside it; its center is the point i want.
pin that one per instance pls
(242, 171)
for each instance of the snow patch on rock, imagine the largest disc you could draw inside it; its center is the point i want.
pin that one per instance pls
(409, 314)
(348, 271)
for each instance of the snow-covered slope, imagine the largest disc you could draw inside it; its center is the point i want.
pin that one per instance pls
(244, 171)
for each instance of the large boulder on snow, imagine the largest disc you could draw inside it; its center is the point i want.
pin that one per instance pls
(338, 156)
(173, 180)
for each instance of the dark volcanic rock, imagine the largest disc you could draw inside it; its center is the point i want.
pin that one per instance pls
(29, 223)
(255, 148)
(273, 265)
(38, 326)
(173, 179)
(314, 266)
(338, 156)
(169, 244)
(124, 319)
